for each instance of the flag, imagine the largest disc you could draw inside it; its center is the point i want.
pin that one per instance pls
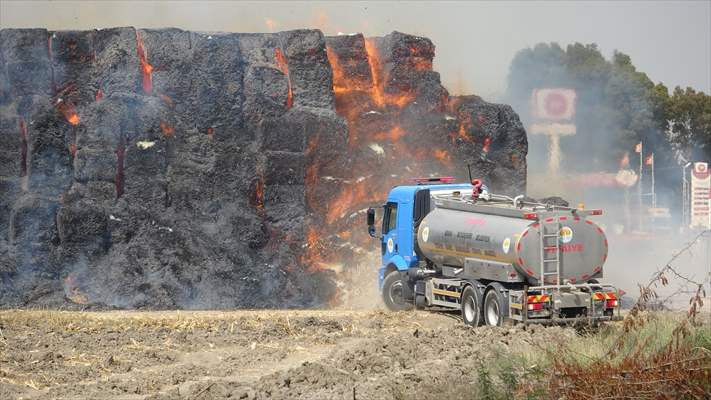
(638, 148)
(649, 160)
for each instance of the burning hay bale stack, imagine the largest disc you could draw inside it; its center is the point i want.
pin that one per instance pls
(402, 123)
(166, 168)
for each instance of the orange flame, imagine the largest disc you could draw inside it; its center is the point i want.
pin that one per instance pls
(419, 62)
(443, 157)
(341, 82)
(487, 142)
(374, 63)
(257, 199)
(465, 125)
(284, 68)
(378, 94)
(312, 250)
(146, 68)
(353, 194)
(68, 110)
(370, 105)
(392, 135)
(167, 129)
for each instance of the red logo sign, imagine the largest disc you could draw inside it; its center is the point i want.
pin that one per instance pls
(476, 221)
(701, 170)
(568, 248)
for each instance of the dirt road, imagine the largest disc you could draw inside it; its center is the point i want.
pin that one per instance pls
(246, 354)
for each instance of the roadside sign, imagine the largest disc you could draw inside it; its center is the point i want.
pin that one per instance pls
(700, 187)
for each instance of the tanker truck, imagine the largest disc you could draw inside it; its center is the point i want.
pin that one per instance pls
(492, 257)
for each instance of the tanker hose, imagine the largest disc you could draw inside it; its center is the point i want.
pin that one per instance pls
(517, 199)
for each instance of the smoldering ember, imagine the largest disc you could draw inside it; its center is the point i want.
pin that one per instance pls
(171, 169)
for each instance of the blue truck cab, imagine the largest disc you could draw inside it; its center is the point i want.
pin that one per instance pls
(405, 207)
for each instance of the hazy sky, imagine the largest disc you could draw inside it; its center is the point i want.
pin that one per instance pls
(669, 40)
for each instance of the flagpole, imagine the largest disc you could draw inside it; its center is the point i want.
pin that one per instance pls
(654, 194)
(639, 185)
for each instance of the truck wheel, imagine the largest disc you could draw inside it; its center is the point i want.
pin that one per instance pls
(471, 306)
(495, 305)
(393, 286)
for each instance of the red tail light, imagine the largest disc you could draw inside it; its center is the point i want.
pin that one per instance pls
(530, 216)
(595, 212)
(611, 303)
(535, 306)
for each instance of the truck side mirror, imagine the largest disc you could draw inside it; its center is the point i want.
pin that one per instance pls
(371, 222)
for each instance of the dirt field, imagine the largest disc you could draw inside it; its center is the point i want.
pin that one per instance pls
(247, 354)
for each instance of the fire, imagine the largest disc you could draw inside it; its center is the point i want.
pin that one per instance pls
(166, 128)
(443, 157)
(487, 142)
(392, 135)
(355, 193)
(312, 250)
(257, 198)
(68, 110)
(23, 147)
(146, 68)
(465, 125)
(284, 68)
(374, 63)
(341, 82)
(378, 94)
(420, 63)
(373, 107)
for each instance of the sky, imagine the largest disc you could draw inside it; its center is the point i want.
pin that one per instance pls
(475, 41)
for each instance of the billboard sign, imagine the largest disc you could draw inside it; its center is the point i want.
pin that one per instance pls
(553, 110)
(554, 104)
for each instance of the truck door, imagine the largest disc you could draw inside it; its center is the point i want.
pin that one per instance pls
(390, 236)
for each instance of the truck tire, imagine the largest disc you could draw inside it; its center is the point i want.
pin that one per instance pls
(393, 286)
(496, 307)
(471, 307)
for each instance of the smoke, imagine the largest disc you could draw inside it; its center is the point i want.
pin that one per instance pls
(614, 112)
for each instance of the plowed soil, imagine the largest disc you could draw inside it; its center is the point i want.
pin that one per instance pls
(247, 354)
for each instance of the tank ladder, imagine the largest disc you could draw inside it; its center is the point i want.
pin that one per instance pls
(548, 249)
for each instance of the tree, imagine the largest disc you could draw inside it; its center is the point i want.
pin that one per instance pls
(688, 114)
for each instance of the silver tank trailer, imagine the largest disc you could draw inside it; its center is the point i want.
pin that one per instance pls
(450, 236)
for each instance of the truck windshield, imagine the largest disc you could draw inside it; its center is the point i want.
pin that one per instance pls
(390, 217)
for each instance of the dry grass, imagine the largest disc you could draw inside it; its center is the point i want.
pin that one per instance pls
(666, 357)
